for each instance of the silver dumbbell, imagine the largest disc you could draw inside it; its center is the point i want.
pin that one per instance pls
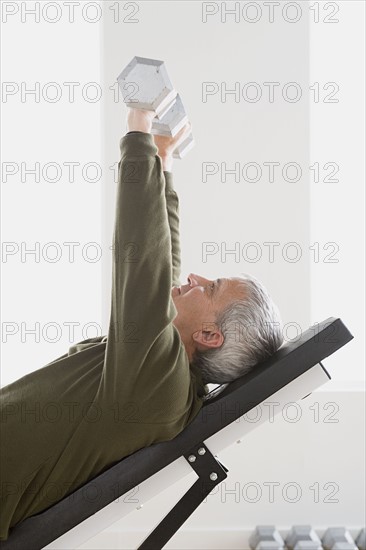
(145, 84)
(266, 537)
(338, 538)
(303, 537)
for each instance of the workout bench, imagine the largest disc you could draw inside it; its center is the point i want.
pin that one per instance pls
(291, 374)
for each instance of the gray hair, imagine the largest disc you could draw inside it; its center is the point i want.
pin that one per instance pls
(260, 335)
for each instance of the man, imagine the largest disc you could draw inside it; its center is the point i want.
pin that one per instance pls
(145, 381)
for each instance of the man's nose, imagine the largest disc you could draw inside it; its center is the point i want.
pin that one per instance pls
(196, 280)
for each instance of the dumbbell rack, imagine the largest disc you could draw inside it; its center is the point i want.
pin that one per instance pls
(304, 537)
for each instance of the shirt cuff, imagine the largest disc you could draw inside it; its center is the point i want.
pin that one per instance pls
(169, 188)
(138, 144)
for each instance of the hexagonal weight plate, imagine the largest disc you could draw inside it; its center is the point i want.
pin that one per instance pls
(145, 84)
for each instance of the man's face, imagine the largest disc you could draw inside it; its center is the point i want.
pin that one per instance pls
(199, 301)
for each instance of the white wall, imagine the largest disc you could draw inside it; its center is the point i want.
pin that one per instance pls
(337, 207)
(39, 293)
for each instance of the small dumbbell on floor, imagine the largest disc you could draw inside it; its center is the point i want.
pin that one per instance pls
(266, 537)
(303, 537)
(338, 538)
(145, 84)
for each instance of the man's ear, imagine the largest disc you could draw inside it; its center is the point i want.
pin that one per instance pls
(208, 338)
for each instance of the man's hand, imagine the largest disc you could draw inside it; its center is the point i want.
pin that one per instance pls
(139, 120)
(167, 144)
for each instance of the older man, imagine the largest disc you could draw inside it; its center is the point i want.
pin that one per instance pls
(65, 423)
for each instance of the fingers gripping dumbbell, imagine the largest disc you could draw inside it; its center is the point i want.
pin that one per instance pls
(145, 84)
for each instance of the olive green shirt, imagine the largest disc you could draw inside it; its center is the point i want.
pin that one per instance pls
(109, 396)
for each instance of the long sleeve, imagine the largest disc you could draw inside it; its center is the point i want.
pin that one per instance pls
(142, 270)
(172, 202)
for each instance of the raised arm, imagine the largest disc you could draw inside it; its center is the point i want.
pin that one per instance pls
(172, 204)
(142, 241)
(166, 146)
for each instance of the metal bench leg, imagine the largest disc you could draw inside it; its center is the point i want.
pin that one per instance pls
(210, 473)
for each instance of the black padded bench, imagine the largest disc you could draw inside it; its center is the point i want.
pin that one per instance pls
(291, 374)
